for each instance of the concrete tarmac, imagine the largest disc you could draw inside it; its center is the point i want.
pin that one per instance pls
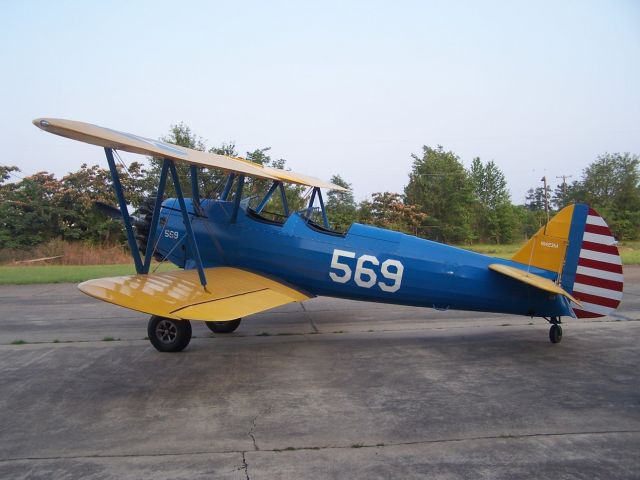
(329, 389)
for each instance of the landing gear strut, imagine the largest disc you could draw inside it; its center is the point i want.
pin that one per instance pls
(555, 332)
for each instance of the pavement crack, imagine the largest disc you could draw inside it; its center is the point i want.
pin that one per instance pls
(327, 447)
(310, 317)
(253, 438)
(245, 466)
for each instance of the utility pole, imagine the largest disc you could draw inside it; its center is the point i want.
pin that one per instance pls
(546, 200)
(564, 186)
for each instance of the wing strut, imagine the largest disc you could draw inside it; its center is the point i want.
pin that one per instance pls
(267, 197)
(122, 203)
(318, 193)
(227, 187)
(283, 197)
(195, 189)
(168, 166)
(187, 222)
(154, 219)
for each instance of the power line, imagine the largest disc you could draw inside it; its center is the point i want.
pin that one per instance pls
(564, 183)
(564, 178)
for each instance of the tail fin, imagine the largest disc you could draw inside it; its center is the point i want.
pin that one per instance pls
(578, 245)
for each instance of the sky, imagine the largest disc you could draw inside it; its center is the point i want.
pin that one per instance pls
(333, 87)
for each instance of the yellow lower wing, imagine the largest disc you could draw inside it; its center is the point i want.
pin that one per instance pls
(231, 293)
(532, 279)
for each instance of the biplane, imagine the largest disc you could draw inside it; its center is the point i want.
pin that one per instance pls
(236, 261)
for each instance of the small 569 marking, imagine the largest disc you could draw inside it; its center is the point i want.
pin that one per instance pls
(172, 234)
(365, 276)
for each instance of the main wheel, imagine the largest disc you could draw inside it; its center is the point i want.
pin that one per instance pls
(169, 335)
(555, 333)
(224, 327)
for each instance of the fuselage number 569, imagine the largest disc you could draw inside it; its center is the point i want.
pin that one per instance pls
(365, 276)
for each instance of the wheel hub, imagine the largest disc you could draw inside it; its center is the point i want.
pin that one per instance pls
(166, 331)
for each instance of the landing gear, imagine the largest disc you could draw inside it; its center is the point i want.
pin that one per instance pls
(555, 332)
(223, 327)
(169, 335)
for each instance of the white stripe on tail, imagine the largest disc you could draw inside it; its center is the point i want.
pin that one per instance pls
(599, 278)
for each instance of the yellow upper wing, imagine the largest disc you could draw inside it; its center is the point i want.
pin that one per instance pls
(105, 137)
(231, 293)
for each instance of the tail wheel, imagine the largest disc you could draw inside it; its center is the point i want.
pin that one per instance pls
(555, 333)
(224, 327)
(168, 334)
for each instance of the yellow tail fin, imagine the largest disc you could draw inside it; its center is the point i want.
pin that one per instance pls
(548, 247)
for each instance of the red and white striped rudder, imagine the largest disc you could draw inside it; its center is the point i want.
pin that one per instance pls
(599, 278)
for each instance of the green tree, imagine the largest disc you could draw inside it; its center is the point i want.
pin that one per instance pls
(440, 186)
(495, 220)
(535, 199)
(611, 185)
(387, 210)
(28, 212)
(341, 206)
(179, 134)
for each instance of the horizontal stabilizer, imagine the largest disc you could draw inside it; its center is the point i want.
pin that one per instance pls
(231, 293)
(531, 279)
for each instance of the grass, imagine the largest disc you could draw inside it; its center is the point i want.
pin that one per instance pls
(501, 251)
(25, 275)
(64, 273)
(629, 251)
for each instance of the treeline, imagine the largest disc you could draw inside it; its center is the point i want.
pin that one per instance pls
(447, 202)
(442, 200)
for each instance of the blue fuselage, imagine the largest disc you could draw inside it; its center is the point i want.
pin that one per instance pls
(367, 263)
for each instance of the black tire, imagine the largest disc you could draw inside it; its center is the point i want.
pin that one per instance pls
(169, 335)
(224, 327)
(555, 334)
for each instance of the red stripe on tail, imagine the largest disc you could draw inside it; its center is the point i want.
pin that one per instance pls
(599, 247)
(607, 267)
(584, 314)
(599, 282)
(602, 301)
(600, 230)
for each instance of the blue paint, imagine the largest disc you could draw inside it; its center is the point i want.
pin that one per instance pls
(325, 220)
(122, 203)
(195, 188)
(227, 187)
(186, 222)
(435, 275)
(236, 199)
(155, 217)
(268, 195)
(578, 223)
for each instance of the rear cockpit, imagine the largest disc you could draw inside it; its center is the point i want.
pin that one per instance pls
(275, 204)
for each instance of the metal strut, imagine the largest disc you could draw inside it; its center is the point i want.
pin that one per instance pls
(227, 187)
(155, 218)
(187, 222)
(237, 198)
(122, 203)
(325, 220)
(283, 197)
(268, 195)
(310, 207)
(195, 188)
